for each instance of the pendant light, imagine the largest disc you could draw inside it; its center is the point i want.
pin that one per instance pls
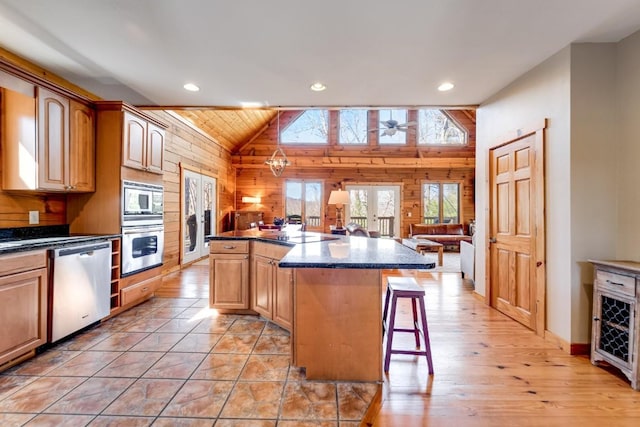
(278, 160)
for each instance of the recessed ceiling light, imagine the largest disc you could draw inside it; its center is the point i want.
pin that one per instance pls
(251, 104)
(191, 87)
(317, 87)
(445, 86)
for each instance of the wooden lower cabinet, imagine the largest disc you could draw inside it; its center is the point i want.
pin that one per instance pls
(140, 290)
(229, 274)
(138, 287)
(283, 298)
(23, 304)
(245, 276)
(262, 285)
(272, 286)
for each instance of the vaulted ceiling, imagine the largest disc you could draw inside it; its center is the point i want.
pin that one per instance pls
(233, 129)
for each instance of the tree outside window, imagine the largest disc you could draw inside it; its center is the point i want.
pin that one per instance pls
(311, 127)
(304, 198)
(441, 202)
(353, 127)
(437, 128)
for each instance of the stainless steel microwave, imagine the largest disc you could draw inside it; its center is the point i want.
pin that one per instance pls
(142, 204)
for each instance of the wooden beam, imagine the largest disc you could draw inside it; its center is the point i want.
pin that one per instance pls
(254, 162)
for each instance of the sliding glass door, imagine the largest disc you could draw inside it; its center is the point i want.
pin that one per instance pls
(375, 207)
(199, 220)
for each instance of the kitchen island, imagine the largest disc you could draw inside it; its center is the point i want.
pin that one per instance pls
(336, 295)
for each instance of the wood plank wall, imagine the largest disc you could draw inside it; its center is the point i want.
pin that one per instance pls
(184, 145)
(260, 181)
(15, 207)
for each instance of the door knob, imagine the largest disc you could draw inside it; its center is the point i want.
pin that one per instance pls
(492, 240)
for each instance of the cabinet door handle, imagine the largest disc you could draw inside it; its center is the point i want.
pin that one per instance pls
(614, 283)
(229, 247)
(246, 257)
(145, 289)
(596, 319)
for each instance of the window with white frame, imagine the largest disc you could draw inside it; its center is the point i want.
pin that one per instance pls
(435, 127)
(353, 127)
(311, 127)
(303, 199)
(441, 202)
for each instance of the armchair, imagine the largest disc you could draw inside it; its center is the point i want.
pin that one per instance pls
(355, 230)
(467, 260)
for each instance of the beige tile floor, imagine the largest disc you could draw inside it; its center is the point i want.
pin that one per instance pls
(174, 362)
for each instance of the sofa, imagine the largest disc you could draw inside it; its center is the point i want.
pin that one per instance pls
(446, 234)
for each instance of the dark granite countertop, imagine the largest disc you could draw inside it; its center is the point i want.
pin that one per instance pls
(317, 250)
(29, 244)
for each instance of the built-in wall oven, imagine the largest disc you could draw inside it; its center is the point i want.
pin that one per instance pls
(142, 227)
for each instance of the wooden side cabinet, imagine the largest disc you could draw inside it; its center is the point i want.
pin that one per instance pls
(616, 322)
(23, 304)
(229, 274)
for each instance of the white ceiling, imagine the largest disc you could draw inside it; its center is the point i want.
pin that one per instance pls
(368, 52)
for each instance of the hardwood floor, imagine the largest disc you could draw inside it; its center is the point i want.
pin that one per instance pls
(489, 370)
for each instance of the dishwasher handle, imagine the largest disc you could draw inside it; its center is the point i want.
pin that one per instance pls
(85, 250)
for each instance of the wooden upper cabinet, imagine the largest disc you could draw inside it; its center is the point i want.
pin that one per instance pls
(134, 141)
(66, 144)
(18, 134)
(82, 147)
(155, 148)
(49, 144)
(143, 144)
(53, 141)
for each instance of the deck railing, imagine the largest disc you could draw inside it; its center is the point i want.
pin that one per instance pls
(313, 221)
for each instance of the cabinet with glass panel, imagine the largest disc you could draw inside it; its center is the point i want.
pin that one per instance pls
(615, 339)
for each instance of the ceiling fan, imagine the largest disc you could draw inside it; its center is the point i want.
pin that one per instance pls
(391, 126)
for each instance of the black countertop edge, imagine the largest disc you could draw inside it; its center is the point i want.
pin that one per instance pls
(25, 245)
(256, 238)
(362, 266)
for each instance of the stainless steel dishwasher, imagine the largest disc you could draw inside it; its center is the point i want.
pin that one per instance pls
(80, 287)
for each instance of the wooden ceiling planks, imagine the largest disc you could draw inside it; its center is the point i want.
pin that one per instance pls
(230, 128)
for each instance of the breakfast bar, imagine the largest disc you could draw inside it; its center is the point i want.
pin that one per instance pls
(336, 291)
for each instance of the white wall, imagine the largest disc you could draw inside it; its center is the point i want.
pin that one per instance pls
(591, 95)
(628, 242)
(543, 92)
(594, 148)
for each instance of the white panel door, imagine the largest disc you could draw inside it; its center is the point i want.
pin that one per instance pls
(375, 207)
(199, 220)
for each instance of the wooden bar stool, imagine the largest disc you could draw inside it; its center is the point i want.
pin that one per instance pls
(405, 287)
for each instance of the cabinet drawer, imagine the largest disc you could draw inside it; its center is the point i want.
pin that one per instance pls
(616, 282)
(140, 291)
(22, 261)
(229, 246)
